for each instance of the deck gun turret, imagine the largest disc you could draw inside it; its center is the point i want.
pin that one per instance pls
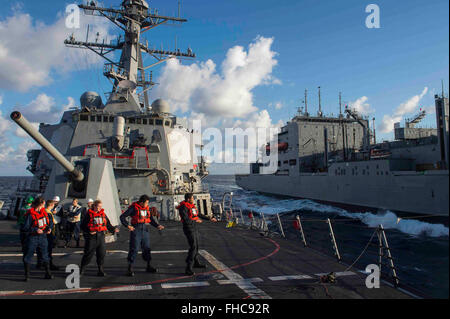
(77, 176)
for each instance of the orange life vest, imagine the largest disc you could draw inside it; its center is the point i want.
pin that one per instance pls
(40, 219)
(142, 215)
(192, 210)
(97, 221)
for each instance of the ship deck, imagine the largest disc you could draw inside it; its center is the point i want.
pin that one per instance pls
(241, 264)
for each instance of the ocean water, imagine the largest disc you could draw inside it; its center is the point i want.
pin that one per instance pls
(419, 248)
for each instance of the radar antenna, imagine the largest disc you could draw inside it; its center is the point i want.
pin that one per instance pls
(133, 18)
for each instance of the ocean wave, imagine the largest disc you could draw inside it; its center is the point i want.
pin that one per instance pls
(389, 220)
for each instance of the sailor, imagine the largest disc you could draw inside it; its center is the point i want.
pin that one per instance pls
(74, 219)
(190, 218)
(21, 220)
(58, 213)
(89, 203)
(85, 209)
(51, 238)
(57, 209)
(94, 226)
(37, 226)
(139, 232)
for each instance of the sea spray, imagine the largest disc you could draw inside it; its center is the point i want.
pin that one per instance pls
(271, 205)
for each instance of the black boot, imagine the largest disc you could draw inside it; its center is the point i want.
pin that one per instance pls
(78, 243)
(150, 268)
(199, 265)
(130, 272)
(48, 274)
(189, 271)
(101, 272)
(39, 264)
(82, 269)
(27, 271)
(53, 266)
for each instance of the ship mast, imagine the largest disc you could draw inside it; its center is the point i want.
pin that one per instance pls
(134, 18)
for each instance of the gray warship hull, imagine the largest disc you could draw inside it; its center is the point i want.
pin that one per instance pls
(409, 192)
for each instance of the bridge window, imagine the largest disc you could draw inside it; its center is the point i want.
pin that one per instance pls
(92, 118)
(159, 122)
(132, 120)
(138, 121)
(111, 119)
(105, 119)
(84, 118)
(151, 122)
(167, 123)
(99, 118)
(144, 121)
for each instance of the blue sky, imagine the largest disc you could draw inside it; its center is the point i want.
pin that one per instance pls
(317, 42)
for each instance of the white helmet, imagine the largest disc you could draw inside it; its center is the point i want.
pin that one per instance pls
(56, 199)
(90, 200)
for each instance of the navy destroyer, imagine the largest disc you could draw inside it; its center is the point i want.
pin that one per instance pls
(126, 146)
(337, 160)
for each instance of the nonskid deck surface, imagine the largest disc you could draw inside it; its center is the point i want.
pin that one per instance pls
(240, 264)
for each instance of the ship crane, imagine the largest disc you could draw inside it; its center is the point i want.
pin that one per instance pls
(365, 124)
(410, 123)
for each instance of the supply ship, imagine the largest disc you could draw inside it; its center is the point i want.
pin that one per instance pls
(337, 160)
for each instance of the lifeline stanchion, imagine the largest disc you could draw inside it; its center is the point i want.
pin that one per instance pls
(227, 207)
(300, 228)
(380, 249)
(263, 224)
(389, 256)
(281, 226)
(333, 240)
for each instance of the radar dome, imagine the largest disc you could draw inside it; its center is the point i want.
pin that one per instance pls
(91, 99)
(160, 106)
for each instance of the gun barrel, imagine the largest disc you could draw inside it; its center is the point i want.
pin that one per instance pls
(39, 138)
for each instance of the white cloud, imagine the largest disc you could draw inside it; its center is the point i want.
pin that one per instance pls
(278, 105)
(5, 153)
(257, 119)
(44, 109)
(361, 106)
(411, 105)
(5, 125)
(31, 50)
(201, 88)
(407, 107)
(222, 98)
(16, 158)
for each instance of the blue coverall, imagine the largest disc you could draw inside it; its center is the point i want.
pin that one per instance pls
(140, 237)
(35, 240)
